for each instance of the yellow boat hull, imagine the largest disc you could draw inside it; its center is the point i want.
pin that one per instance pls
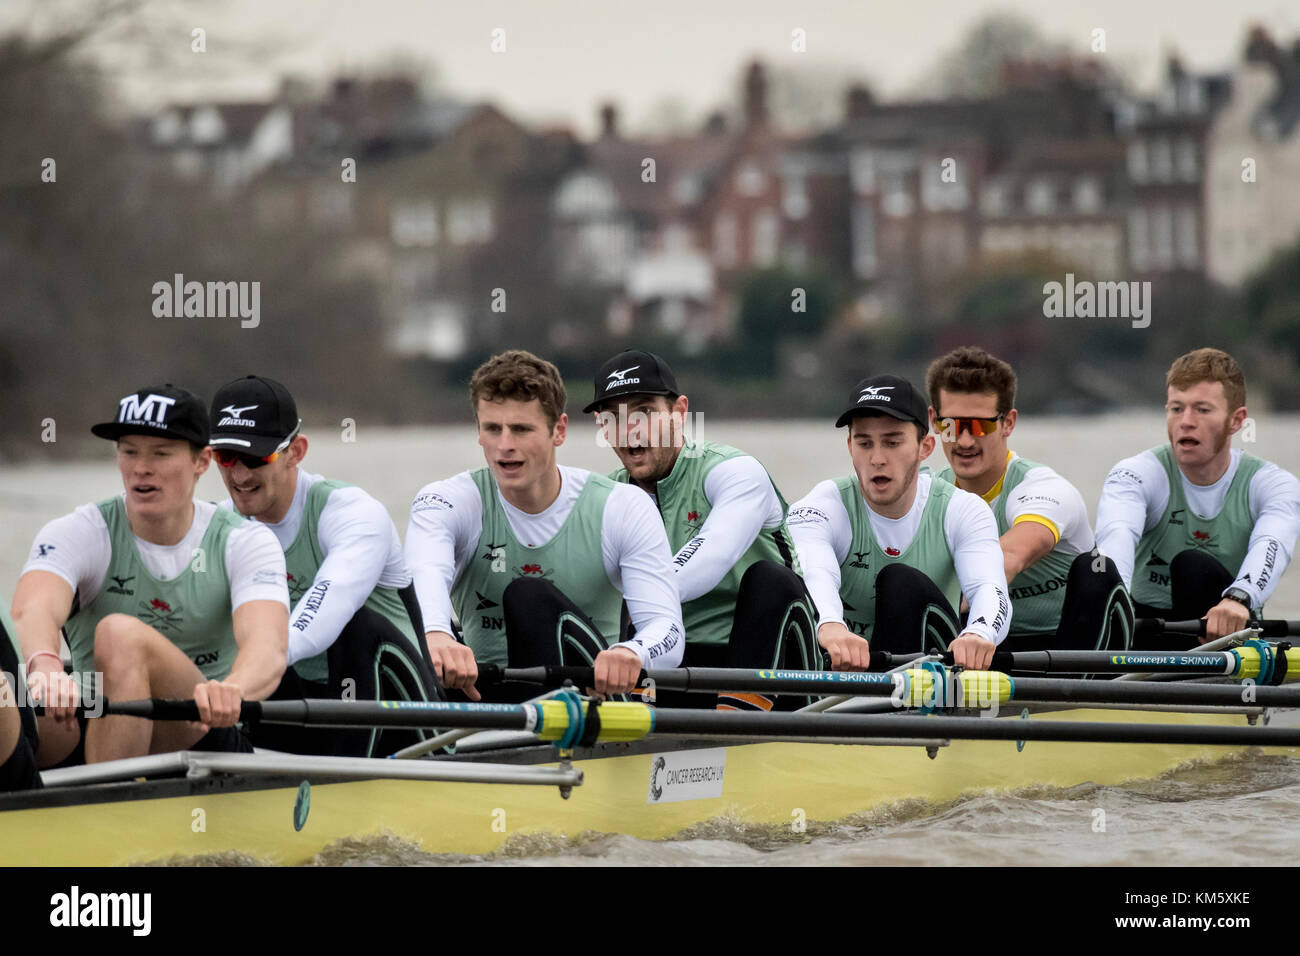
(782, 784)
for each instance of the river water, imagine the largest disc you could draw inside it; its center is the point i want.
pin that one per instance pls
(1197, 815)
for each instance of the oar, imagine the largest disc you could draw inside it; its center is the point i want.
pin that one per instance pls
(1241, 663)
(450, 737)
(913, 687)
(1146, 626)
(570, 722)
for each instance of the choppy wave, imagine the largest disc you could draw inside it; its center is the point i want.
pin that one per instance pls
(1201, 814)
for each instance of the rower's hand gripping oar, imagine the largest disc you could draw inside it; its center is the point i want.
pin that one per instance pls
(1147, 626)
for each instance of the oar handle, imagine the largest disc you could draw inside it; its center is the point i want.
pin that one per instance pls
(1158, 625)
(554, 675)
(160, 709)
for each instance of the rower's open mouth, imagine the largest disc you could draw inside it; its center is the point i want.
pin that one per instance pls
(510, 467)
(145, 489)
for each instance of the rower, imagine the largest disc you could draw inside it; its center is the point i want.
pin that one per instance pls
(743, 601)
(888, 551)
(18, 739)
(1063, 594)
(354, 628)
(162, 594)
(1197, 528)
(535, 557)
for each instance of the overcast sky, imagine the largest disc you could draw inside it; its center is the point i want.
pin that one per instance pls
(564, 57)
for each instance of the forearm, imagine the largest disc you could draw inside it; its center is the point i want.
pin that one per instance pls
(41, 605)
(257, 671)
(37, 629)
(1263, 567)
(261, 633)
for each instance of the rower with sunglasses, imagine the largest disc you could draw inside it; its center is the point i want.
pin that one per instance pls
(1063, 595)
(159, 594)
(354, 621)
(888, 551)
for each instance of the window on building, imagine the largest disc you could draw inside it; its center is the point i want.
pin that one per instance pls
(766, 231)
(1138, 167)
(725, 240)
(469, 220)
(1087, 195)
(994, 198)
(940, 196)
(862, 172)
(1040, 196)
(896, 198)
(863, 226)
(794, 196)
(750, 180)
(1162, 160)
(415, 224)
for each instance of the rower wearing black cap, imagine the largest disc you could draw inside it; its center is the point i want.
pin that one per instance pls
(162, 594)
(354, 629)
(743, 602)
(888, 552)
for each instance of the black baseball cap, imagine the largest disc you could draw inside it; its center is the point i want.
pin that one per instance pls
(889, 395)
(633, 372)
(253, 415)
(164, 411)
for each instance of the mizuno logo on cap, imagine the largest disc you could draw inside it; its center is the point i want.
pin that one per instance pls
(234, 416)
(153, 409)
(617, 378)
(868, 394)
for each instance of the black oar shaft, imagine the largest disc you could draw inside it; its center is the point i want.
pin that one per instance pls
(964, 728)
(346, 713)
(636, 720)
(861, 684)
(1105, 662)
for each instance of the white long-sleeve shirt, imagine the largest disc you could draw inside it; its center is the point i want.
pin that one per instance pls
(1136, 493)
(361, 551)
(822, 531)
(447, 520)
(742, 504)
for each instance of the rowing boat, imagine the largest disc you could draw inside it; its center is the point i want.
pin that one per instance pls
(501, 785)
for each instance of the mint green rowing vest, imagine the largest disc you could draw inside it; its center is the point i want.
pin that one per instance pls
(1037, 592)
(192, 610)
(303, 559)
(571, 560)
(684, 508)
(928, 553)
(1225, 536)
